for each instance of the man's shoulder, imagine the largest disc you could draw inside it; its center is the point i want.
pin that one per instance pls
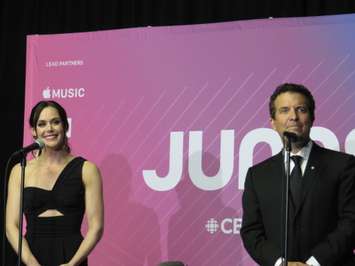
(268, 162)
(332, 154)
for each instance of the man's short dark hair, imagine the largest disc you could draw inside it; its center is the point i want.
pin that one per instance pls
(293, 88)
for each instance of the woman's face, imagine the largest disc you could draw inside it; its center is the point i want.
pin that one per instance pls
(50, 129)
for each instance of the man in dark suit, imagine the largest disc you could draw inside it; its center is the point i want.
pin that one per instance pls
(322, 201)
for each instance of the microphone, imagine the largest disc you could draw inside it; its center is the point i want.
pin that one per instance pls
(37, 145)
(291, 136)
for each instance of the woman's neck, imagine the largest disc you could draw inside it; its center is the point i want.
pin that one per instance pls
(53, 156)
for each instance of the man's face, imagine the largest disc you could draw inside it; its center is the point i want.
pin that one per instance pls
(292, 114)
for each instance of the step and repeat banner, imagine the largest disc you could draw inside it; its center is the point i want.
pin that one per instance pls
(174, 116)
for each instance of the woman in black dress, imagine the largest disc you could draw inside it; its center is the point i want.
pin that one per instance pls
(59, 189)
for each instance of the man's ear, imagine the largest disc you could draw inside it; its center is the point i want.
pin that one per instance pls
(272, 123)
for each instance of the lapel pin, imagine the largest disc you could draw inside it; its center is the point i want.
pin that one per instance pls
(312, 167)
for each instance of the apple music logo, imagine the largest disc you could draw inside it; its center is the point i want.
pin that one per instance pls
(62, 93)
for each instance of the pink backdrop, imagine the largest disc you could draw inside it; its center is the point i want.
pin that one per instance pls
(174, 116)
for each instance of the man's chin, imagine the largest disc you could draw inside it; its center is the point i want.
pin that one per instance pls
(300, 135)
(301, 141)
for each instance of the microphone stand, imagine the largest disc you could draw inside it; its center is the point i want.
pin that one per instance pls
(287, 150)
(19, 247)
(39, 144)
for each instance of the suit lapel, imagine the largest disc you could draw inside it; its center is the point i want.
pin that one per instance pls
(311, 174)
(278, 169)
(310, 177)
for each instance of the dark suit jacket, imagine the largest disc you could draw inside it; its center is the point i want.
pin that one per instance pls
(322, 226)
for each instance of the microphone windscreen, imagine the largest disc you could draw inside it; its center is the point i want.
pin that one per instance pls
(40, 143)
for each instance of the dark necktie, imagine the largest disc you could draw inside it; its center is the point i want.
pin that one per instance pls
(296, 180)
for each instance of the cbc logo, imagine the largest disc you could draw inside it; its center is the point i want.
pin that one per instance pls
(227, 226)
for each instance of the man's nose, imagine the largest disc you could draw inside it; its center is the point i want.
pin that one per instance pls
(293, 114)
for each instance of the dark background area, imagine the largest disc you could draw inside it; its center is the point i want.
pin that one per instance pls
(21, 18)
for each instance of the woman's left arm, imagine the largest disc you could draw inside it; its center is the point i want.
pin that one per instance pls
(94, 212)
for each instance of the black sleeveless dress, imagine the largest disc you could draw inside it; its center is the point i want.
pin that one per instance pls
(54, 240)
